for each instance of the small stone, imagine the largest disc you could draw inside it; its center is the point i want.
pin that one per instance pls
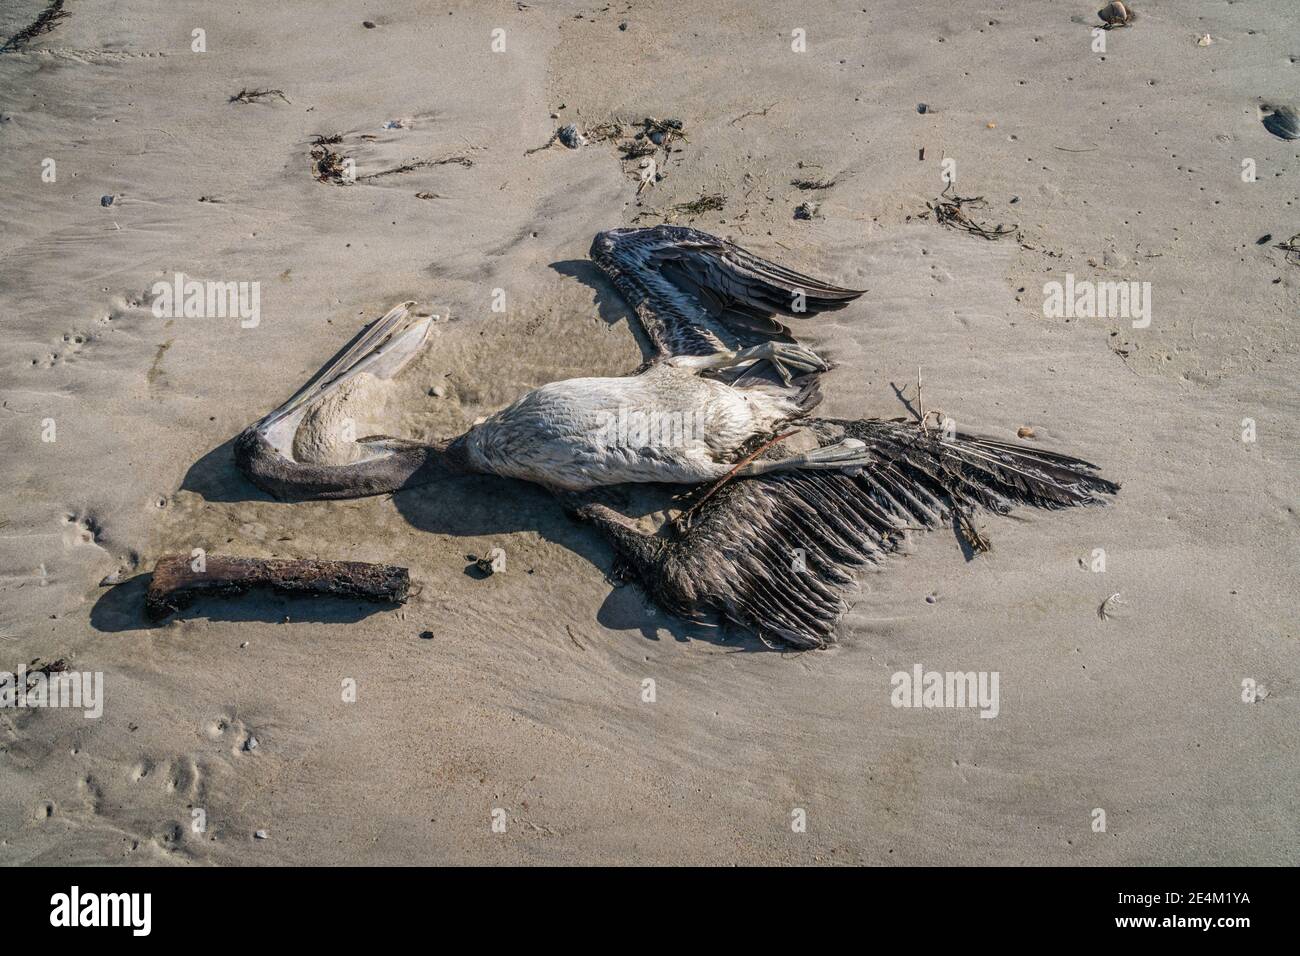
(250, 744)
(426, 635)
(368, 24)
(931, 599)
(1024, 431)
(922, 108)
(805, 210)
(623, 25)
(438, 391)
(261, 835)
(106, 200)
(243, 645)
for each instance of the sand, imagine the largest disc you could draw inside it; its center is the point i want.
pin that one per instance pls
(523, 700)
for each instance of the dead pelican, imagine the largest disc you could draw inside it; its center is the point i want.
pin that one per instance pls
(772, 549)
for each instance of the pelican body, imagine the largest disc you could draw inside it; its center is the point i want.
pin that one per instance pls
(725, 378)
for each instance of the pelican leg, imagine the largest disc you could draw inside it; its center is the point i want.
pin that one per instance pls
(849, 453)
(786, 357)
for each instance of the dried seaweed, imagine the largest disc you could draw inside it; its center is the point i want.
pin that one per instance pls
(705, 203)
(951, 211)
(251, 96)
(327, 165)
(419, 164)
(43, 24)
(812, 183)
(1292, 249)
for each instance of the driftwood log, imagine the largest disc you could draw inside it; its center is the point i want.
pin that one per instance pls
(176, 584)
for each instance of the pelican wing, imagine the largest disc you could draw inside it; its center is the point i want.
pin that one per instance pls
(777, 554)
(696, 294)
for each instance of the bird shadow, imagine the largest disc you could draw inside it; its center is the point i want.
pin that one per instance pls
(214, 477)
(471, 507)
(610, 306)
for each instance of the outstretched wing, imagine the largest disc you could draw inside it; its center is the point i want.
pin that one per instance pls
(696, 294)
(776, 554)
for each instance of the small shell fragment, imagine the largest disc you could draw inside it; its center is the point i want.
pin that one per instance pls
(1024, 431)
(1205, 40)
(1115, 14)
(570, 137)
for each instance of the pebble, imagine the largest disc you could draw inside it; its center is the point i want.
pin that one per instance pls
(250, 744)
(368, 24)
(106, 200)
(262, 835)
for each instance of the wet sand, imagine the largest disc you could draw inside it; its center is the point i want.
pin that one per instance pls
(526, 696)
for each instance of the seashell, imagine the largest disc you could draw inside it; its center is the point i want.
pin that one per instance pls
(1283, 122)
(570, 137)
(1205, 40)
(1115, 14)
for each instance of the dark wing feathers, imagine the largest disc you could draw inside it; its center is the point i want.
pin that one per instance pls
(738, 556)
(696, 294)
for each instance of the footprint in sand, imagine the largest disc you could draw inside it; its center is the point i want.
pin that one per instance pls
(64, 352)
(91, 794)
(81, 529)
(186, 777)
(243, 741)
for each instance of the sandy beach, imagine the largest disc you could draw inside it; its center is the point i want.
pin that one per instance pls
(503, 719)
